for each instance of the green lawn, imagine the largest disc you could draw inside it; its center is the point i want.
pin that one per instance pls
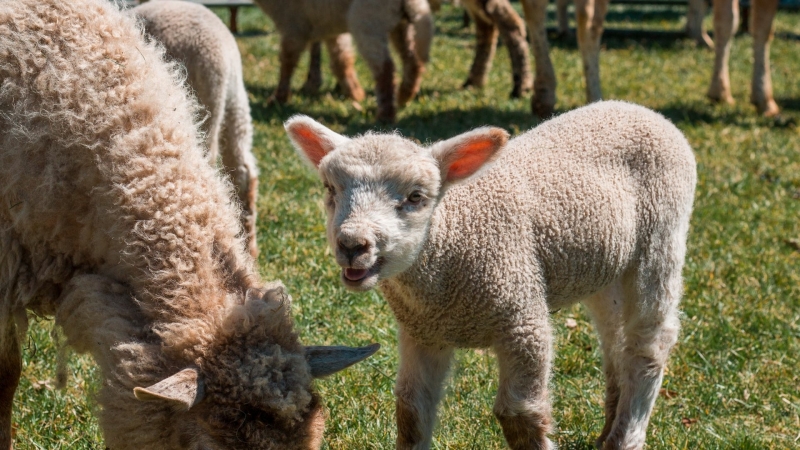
(730, 382)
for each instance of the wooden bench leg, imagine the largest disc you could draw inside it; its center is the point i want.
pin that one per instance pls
(233, 26)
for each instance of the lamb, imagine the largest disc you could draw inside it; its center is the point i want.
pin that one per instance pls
(726, 19)
(474, 240)
(197, 38)
(112, 220)
(372, 23)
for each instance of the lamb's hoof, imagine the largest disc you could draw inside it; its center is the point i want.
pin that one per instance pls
(311, 87)
(520, 91)
(720, 97)
(279, 97)
(542, 106)
(767, 108)
(387, 115)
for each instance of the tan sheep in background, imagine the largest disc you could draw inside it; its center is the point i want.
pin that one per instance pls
(373, 23)
(195, 37)
(112, 219)
(475, 240)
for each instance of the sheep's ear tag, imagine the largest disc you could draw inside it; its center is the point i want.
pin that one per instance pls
(183, 390)
(327, 360)
(311, 139)
(462, 156)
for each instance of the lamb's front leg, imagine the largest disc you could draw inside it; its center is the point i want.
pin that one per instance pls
(522, 406)
(418, 391)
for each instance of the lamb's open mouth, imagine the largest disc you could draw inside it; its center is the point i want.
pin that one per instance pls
(353, 277)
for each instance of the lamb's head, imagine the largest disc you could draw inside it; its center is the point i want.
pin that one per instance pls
(383, 190)
(248, 387)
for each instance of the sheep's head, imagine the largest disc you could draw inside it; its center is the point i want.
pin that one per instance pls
(249, 388)
(383, 189)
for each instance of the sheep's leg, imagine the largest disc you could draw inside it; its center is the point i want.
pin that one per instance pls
(590, 15)
(562, 17)
(372, 40)
(726, 18)
(522, 406)
(485, 44)
(342, 63)
(403, 41)
(10, 370)
(240, 164)
(512, 28)
(418, 391)
(314, 78)
(544, 84)
(694, 23)
(291, 49)
(605, 311)
(763, 14)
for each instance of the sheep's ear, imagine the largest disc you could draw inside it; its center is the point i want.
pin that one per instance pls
(183, 390)
(311, 139)
(327, 360)
(462, 156)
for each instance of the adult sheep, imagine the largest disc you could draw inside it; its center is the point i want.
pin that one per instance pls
(112, 219)
(592, 206)
(372, 23)
(197, 38)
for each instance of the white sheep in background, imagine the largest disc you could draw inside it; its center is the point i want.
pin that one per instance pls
(592, 206)
(197, 38)
(372, 23)
(112, 220)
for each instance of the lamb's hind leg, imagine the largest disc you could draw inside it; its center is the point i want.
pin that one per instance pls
(10, 370)
(605, 308)
(763, 15)
(485, 44)
(512, 28)
(403, 41)
(340, 49)
(418, 391)
(650, 329)
(522, 406)
(372, 39)
(291, 49)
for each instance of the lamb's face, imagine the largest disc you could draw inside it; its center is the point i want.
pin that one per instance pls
(382, 191)
(381, 194)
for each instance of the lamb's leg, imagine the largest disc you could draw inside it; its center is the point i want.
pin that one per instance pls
(403, 41)
(485, 44)
(726, 19)
(372, 40)
(762, 13)
(562, 17)
(418, 391)
(10, 370)
(314, 78)
(291, 49)
(650, 329)
(512, 28)
(605, 311)
(522, 406)
(340, 49)
(590, 15)
(694, 23)
(544, 84)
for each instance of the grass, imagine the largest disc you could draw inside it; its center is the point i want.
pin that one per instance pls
(732, 381)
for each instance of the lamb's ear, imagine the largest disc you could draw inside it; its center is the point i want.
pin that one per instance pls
(183, 390)
(311, 139)
(462, 156)
(327, 360)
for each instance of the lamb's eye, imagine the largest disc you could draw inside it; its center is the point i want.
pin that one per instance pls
(415, 197)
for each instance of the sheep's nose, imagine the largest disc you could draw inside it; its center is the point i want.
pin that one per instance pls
(353, 247)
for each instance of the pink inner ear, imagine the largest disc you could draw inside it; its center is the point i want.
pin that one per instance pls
(469, 158)
(310, 142)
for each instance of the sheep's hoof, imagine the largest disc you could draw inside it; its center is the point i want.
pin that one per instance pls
(719, 96)
(767, 108)
(543, 105)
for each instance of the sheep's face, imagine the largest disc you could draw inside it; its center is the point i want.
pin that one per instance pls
(383, 190)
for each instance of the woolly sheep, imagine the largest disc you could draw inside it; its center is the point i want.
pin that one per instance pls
(592, 206)
(112, 220)
(197, 38)
(372, 23)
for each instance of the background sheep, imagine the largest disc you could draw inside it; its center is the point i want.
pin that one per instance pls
(408, 23)
(112, 219)
(591, 206)
(197, 38)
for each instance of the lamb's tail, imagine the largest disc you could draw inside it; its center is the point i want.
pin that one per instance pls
(420, 16)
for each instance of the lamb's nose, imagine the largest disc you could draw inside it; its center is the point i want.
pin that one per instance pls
(352, 248)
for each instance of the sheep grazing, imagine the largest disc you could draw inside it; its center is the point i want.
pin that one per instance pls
(372, 23)
(726, 19)
(112, 220)
(490, 17)
(592, 206)
(197, 38)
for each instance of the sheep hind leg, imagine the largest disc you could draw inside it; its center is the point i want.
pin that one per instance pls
(650, 329)
(543, 100)
(10, 370)
(291, 50)
(763, 15)
(418, 391)
(604, 308)
(485, 45)
(403, 41)
(512, 28)
(314, 78)
(726, 18)
(342, 63)
(522, 406)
